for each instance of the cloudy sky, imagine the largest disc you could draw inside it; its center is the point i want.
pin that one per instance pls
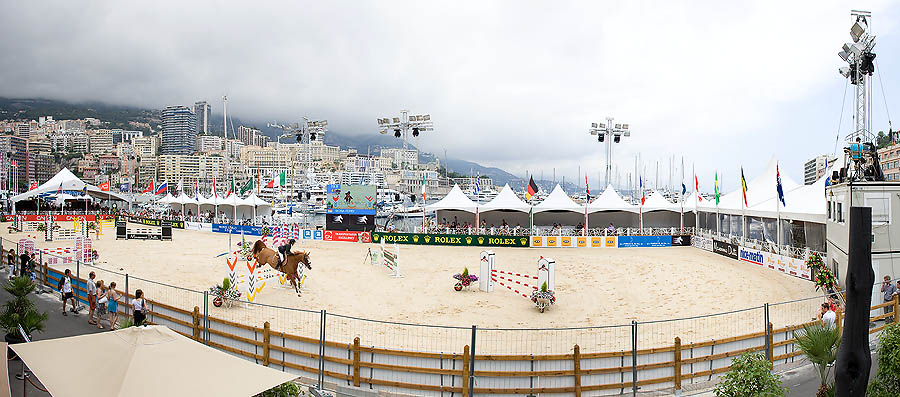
(508, 84)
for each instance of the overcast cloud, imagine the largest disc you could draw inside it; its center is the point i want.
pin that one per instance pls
(508, 84)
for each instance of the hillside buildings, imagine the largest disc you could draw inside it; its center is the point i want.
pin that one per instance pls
(179, 131)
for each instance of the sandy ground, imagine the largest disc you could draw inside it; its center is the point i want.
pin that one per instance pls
(594, 287)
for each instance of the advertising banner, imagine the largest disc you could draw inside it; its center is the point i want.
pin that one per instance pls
(725, 249)
(357, 223)
(350, 199)
(58, 218)
(753, 256)
(307, 234)
(703, 243)
(150, 222)
(237, 229)
(644, 241)
(206, 227)
(341, 235)
(681, 241)
(450, 239)
(317, 234)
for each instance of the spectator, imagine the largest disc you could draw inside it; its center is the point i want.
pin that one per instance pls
(826, 315)
(102, 301)
(65, 289)
(888, 289)
(23, 262)
(11, 262)
(139, 307)
(113, 305)
(91, 297)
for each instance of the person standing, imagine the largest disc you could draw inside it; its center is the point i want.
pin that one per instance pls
(139, 307)
(102, 302)
(23, 263)
(91, 297)
(11, 262)
(888, 289)
(65, 289)
(113, 305)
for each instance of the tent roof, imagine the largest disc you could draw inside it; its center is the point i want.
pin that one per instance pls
(206, 200)
(558, 200)
(66, 181)
(184, 199)
(253, 199)
(610, 200)
(506, 200)
(759, 189)
(167, 199)
(655, 202)
(454, 200)
(175, 365)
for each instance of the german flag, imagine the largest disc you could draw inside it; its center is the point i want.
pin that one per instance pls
(532, 189)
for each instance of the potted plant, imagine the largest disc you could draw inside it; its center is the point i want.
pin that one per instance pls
(20, 311)
(464, 279)
(820, 343)
(225, 293)
(543, 297)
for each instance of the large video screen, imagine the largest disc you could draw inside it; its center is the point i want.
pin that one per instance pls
(350, 199)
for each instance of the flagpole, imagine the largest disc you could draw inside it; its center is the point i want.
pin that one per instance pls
(743, 207)
(778, 209)
(696, 199)
(683, 192)
(718, 216)
(587, 200)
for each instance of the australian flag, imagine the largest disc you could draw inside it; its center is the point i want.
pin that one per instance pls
(778, 186)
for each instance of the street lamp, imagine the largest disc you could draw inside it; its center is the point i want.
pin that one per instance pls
(404, 125)
(609, 133)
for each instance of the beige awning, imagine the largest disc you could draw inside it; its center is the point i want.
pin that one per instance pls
(142, 361)
(4, 376)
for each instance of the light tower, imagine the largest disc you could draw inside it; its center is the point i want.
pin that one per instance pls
(860, 60)
(609, 133)
(402, 126)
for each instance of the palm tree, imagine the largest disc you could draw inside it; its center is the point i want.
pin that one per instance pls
(819, 343)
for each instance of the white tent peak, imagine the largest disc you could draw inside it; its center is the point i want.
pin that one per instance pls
(610, 200)
(558, 200)
(506, 200)
(454, 200)
(655, 201)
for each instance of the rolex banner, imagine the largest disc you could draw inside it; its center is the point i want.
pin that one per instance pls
(450, 239)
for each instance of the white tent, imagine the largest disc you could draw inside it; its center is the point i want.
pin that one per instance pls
(558, 200)
(610, 200)
(64, 181)
(455, 200)
(505, 207)
(656, 202)
(168, 199)
(253, 199)
(612, 209)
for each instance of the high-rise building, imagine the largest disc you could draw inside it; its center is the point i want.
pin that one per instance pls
(889, 158)
(202, 110)
(210, 144)
(14, 153)
(815, 168)
(179, 133)
(145, 146)
(101, 141)
(252, 137)
(191, 169)
(81, 142)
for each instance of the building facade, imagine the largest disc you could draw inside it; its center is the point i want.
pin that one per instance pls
(889, 157)
(191, 169)
(101, 141)
(252, 137)
(179, 133)
(202, 110)
(145, 146)
(816, 167)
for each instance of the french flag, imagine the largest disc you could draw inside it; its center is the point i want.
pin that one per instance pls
(163, 187)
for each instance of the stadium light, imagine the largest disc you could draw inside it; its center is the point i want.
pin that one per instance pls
(860, 58)
(609, 133)
(405, 125)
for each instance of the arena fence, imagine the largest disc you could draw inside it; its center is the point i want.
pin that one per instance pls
(346, 353)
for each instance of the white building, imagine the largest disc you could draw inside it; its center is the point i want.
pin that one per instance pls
(815, 168)
(408, 158)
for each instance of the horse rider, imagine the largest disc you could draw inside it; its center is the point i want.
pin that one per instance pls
(283, 251)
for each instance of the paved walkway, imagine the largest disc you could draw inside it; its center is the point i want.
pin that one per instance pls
(57, 326)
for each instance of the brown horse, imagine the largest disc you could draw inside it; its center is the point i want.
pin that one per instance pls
(290, 267)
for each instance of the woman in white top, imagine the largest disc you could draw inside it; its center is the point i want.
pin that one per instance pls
(139, 306)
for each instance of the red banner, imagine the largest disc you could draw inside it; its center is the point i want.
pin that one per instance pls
(341, 235)
(58, 218)
(104, 187)
(34, 185)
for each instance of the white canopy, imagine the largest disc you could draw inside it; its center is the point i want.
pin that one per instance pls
(206, 200)
(184, 199)
(65, 180)
(506, 200)
(610, 200)
(558, 200)
(143, 361)
(759, 190)
(167, 199)
(455, 200)
(253, 199)
(232, 200)
(656, 202)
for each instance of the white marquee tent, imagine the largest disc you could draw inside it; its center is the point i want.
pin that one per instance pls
(506, 206)
(558, 207)
(65, 181)
(455, 206)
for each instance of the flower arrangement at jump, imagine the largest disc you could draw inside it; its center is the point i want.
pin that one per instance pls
(225, 293)
(244, 249)
(543, 298)
(824, 278)
(464, 279)
(264, 232)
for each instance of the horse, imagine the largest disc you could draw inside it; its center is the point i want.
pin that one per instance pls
(265, 255)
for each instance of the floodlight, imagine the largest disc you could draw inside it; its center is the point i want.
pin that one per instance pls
(853, 48)
(600, 138)
(380, 122)
(624, 126)
(593, 125)
(868, 63)
(844, 55)
(617, 138)
(397, 132)
(844, 71)
(396, 119)
(427, 117)
(299, 138)
(602, 125)
(618, 126)
(383, 131)
(858, 29)
(416, 132)
(626, 133)
(312, 136)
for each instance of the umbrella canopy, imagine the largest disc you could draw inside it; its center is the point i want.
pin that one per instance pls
(558, 200)
(143, 361)
(506, 200)
(455, 200)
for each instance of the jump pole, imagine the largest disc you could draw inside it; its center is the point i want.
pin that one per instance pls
(485, 282)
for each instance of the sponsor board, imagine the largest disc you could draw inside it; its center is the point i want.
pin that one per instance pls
(565, 241)
(237, 229)
(207, 227)
(450, 239)
(610, 242)
(57, 218)
(783, 264)
(572, 241)
(581, 241)
(753, 256)
(317, 234)
(343, 235)
(351, 222)
(681, 241)
(725, 249)
(644, 241)
(307, 234)
(703, 243)
(150, 222)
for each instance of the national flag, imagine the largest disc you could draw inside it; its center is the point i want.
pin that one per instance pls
(180, 186)
(778, 186)
(34, 185)
(149, 189)
(697, 188)
(532, 189)
(84, 190)
(716, 188)
(214, 192)
(587, 190)
(641, 185)
(231, 188)
(744, 187)
(248, 186)
(276, 181)
(477, 185)
(282, 180)
(423, 187)
(58, 191)
(104, 187)
(683, 189)
(162, 188)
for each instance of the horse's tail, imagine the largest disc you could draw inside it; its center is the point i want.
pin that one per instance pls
(257, 247)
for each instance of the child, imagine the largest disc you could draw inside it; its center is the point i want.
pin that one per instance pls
(102, 302)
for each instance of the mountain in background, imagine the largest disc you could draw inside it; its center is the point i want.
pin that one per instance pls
(116, 116)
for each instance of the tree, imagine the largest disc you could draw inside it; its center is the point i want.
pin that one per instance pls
(819, 343)
(887, 380)
(750, 375)
(882, 140)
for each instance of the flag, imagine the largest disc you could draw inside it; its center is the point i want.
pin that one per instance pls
(282, 181)
(231, 188)
(697, 188)
(683, 189)
(104, 187)
(423, 187)
(248, 186)
(149, 189)
(532, 189)
(716, 188)
(641, 184)
(197, 190)
(744, 187)
(34, 185)
(778, 185)
(477, 186)
(124, 187)
(274, 182)
(215, 194)
(162, 188)
(58, 191)
(84, 190)
(180, 186)
(587, 189)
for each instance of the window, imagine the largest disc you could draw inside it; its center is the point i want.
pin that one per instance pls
(839, 212)
(881, 207)
(830, 203)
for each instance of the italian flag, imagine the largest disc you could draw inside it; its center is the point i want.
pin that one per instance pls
(423, 187)
(277, 181)
(231, 188)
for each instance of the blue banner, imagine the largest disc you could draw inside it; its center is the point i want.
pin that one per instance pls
(307, 234)
(237, 229)
(317, 235)
(644, 241)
